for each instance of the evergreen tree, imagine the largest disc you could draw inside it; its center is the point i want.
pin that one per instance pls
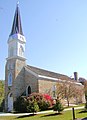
(58, 106)
(20, 105)
(33, 107)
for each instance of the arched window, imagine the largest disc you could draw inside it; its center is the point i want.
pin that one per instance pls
(21, 50)
(10, 79)
(28, 90)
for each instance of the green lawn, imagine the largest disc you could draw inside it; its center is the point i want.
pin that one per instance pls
(50, 116)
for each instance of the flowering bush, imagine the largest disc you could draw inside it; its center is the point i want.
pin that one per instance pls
(43, 101)
(49, 99)
(33, 103)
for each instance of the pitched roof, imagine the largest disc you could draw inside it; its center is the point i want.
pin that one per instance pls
(17, 27)
(47, 73)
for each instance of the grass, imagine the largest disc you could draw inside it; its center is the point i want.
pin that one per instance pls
(49, 116)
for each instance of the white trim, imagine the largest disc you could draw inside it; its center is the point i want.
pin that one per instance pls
(46, 77)
(51, 78)
(56, 79)
(40, 77)
(17, 37)
(16, 57)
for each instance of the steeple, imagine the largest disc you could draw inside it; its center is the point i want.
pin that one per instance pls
(17, 27)
(16, 41)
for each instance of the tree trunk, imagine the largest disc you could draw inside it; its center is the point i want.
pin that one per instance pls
(68, 102)
(86, 100)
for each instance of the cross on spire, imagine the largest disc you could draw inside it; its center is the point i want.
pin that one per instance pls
(17, 2)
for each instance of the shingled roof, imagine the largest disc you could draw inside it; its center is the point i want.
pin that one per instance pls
(47, 73)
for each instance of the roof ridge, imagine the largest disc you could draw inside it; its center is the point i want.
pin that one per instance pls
(32, 67)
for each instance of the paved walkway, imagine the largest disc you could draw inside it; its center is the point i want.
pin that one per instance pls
(22, 114)
(76, 108)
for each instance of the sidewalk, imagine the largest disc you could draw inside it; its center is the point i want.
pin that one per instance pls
(21, 114)
(76, 108)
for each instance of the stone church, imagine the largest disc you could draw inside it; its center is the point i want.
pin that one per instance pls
(20, 78)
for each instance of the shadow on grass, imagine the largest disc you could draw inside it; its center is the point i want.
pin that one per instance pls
(26, 116)
(83, 111)
(81, 118)
(54, 114)
(84, 118)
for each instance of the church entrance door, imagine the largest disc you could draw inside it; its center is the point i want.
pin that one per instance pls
(10, 102)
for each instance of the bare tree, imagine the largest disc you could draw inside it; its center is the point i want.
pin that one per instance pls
(67, 90)
(78, 94)
(85, 90)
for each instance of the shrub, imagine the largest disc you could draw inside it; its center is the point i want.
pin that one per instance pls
(42, 102)
(43, 105)
(58, 106)
(2, 105)
(49, 99)
(32, 107)
(33, 103)
(20, 105)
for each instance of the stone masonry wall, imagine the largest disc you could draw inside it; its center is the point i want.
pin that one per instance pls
(46, 86)
(32, 81)
(15, 66)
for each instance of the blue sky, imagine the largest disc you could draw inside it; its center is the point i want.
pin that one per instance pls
(55, 31)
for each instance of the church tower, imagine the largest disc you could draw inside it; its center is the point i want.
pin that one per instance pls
(14, 70)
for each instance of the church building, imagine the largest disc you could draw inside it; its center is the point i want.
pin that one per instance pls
(20, 78)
